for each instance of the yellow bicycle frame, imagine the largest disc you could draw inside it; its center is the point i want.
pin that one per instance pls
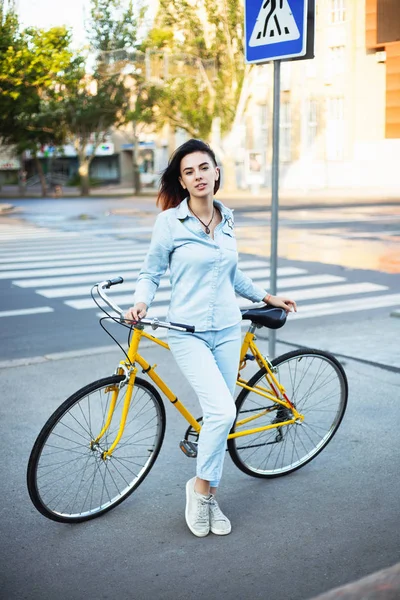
(276, 393)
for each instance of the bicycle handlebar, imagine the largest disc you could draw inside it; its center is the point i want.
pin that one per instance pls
(153, 323)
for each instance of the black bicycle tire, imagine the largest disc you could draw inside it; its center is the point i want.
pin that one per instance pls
(256, 377)
(51, 423)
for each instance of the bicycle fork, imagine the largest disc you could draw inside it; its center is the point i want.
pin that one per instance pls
(129, 381)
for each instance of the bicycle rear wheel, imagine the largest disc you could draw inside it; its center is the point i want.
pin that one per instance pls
(316, 384)
(68, 480)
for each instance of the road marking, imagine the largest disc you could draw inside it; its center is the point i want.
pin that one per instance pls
(90, 279)
(78, 253)
(126, 299)
(123, 256)
(315, 310)
(99, 276)
(67, 271)
(118, 230)
(345, 306)
(68, 245)
(120, 257)
(83, 290)
(26, 311)
(51, 272)
(16, 236)
(336, 290)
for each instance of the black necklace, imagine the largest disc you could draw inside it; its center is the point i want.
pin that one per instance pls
(207, 227)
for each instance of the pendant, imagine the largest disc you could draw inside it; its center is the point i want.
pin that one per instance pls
(207, 229)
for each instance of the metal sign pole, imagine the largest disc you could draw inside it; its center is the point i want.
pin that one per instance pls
(274, 196)
(273, 32)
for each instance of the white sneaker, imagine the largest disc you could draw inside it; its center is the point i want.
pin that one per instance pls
(219, 523)
(197, 511)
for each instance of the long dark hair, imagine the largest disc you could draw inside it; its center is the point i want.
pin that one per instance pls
(171, 192)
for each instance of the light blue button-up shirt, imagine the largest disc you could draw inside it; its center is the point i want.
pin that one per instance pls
(204, 272)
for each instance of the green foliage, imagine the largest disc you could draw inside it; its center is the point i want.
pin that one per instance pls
(113, 27)
(159, 38)
(30, 63)
(208, 31)
(48, 97)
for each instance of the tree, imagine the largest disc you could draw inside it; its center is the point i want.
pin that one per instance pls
(88, 106)
(209, 87)
(142, 114)
(32, 63)
(113, 33)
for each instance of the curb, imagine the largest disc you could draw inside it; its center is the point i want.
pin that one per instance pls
(383, 585)
(364, 361)
(33, 360)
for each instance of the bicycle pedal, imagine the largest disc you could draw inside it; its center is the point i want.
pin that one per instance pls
(188, 448)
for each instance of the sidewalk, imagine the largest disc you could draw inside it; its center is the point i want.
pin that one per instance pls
(372, 341)
(236, 198)
(334, 520)
(383, 585)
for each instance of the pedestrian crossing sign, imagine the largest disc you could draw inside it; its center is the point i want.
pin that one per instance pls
(275, 29)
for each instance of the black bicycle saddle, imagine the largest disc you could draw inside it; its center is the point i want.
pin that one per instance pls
(267, 316)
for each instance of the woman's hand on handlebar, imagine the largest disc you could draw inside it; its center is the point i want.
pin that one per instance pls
(137, 312)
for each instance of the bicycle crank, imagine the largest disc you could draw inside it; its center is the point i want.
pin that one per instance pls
(189, 444)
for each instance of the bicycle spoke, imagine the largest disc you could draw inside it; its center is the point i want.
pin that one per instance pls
(72, 479)
(315, 383)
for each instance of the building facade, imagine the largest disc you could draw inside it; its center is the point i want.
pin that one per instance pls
(339, 112)
(339, 115)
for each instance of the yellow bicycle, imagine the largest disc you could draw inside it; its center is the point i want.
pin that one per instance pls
(101, 443)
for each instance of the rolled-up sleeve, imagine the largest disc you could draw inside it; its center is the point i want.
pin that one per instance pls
(155, 263)
(245, 287)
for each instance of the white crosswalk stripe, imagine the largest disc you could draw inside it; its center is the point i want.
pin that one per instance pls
(63, 266)
(121, 257)
(26, 311)
(82, 290)
(164, 296)
(125, 300)
(346, 306)
(128, 271)
(11, 261)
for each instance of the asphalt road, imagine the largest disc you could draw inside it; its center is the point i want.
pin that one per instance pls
(49, 262)
(293, 537)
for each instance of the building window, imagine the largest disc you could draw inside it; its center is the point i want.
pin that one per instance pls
(312, 124)
(336, 60)
(286, 76)
(260, 127)
(285, 132)
(335, 129)
(337, 11)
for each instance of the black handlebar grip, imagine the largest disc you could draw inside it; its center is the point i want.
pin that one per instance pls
(189, 328)
(115, 281)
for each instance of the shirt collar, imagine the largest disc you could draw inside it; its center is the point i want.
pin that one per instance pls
(182, 211)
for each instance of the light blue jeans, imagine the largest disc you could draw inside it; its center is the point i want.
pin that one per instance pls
(210, 360)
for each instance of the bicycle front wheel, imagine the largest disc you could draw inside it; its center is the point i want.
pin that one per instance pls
(316, 384)
(68, 478)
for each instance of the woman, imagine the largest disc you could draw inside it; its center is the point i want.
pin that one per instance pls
(194, 237)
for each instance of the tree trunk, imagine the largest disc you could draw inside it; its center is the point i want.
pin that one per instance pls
(84, 166)
(42, 178)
